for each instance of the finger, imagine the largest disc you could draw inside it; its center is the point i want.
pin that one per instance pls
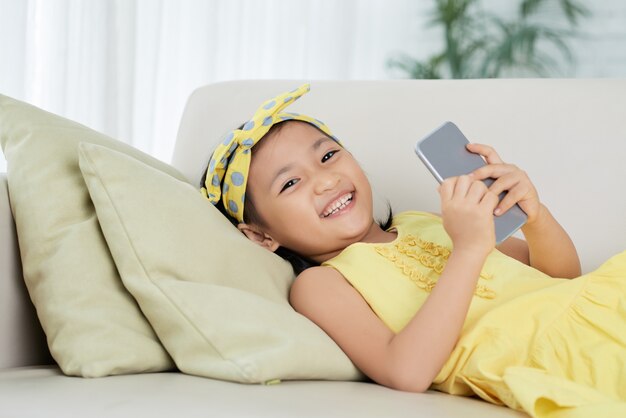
(490, 200)
(492, 171)
(510, 199)
(486, 151)
(446, 189)
(507, 182)
(461, 187)
(476, 191)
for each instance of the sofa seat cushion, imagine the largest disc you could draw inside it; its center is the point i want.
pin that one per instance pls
(27, 392)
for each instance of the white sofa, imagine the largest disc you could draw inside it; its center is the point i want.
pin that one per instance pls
(569, 135)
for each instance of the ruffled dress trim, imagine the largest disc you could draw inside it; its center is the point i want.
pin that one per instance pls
(412, 254)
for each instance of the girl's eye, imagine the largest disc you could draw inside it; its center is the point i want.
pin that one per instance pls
(329, 155)
(288, 184)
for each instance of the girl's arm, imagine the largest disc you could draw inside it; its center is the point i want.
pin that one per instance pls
(549, 247)
(551, 250)
(411, 359)
(425, 344)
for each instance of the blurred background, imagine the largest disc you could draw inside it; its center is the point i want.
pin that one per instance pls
(127, 67)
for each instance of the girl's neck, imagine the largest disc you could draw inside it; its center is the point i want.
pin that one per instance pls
(375, 234)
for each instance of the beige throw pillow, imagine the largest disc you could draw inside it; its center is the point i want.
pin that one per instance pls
(92, 324)
(218, 302)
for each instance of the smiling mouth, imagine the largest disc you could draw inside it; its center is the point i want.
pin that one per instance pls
(338, 205)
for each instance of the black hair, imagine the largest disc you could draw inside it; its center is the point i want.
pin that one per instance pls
(298, 262)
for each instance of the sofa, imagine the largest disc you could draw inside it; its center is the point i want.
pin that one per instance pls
(568, 135)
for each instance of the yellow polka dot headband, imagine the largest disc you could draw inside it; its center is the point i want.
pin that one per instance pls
(227, 173)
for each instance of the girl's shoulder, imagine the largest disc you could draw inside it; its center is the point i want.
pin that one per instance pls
(317, 271)
(313, 281)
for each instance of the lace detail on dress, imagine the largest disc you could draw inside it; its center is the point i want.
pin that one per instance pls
(411, 254)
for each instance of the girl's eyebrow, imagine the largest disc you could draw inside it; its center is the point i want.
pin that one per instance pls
(318, 143)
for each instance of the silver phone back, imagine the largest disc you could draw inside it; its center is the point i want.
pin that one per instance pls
(444, 153)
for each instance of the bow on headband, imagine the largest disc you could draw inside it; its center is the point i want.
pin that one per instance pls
(227, 174)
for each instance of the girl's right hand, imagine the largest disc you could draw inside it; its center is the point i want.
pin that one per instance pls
(467, 208)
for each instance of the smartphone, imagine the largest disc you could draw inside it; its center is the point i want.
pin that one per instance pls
(444, 153)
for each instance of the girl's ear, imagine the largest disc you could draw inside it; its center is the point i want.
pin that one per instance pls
(254, 234)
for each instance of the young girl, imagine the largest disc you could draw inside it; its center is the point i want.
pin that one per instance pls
(428, 301)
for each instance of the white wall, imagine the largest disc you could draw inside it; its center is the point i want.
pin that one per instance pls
(166, 48)
(602, 53)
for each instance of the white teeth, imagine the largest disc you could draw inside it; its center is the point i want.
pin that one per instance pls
(337, 205)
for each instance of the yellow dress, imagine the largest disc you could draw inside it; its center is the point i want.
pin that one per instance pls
(550, 347)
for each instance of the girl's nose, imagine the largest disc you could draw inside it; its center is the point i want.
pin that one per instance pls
(325, 182)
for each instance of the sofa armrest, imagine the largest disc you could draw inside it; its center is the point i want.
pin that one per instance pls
(22, 342)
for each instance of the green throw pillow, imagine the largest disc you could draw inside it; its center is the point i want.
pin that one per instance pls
(218, 302)
(92, 324)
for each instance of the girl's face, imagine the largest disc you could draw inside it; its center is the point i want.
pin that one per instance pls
(310, 192)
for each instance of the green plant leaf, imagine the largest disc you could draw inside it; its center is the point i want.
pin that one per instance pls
(481, 44)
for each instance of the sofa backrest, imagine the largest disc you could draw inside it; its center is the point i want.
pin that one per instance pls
(22, 342)
(569, 135)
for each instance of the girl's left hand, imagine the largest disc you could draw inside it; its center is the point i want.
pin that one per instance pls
(510, 178)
